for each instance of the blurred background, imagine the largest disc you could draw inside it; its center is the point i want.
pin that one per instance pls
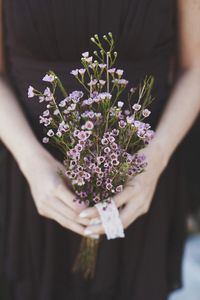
(191, 262)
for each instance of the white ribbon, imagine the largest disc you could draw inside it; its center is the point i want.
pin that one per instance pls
(111, 222)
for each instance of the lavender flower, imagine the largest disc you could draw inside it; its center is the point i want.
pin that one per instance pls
(74, 72)
(45, 140)
(31, 92)
(146, 112)
(48, 78)
(85, 54)
(136, 106)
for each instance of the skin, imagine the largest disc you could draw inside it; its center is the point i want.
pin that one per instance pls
(54, 199)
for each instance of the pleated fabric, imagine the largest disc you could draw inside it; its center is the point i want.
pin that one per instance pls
(37, 253)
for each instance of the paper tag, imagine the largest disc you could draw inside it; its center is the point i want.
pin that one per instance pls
(111, 222)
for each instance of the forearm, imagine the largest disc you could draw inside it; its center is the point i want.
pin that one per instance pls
(180, 113)
(15, 131)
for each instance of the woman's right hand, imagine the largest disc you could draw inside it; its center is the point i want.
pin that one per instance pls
(52, 196)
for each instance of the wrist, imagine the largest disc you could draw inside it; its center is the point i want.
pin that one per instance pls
(31, 158)
(156, 155)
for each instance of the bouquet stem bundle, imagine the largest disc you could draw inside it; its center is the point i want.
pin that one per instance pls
(85, 261)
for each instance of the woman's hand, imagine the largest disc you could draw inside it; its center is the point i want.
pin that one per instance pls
(53, 197)
(136, 197)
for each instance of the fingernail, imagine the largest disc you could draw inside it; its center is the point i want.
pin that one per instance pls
(87, 231)
(94, 236)
(95, 221)
(83, 214)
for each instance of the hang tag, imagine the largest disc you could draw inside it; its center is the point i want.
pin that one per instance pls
(111, 222)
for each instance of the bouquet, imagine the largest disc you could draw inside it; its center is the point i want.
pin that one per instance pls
(99, 138)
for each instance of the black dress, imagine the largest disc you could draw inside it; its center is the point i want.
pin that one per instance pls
(37, 253)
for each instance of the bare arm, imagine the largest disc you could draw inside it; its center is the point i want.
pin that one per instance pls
(15, 131)
(184, 104)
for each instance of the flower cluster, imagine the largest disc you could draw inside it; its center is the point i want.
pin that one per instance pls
(98, 137)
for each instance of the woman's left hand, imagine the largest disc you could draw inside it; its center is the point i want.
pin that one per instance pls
(136, 197)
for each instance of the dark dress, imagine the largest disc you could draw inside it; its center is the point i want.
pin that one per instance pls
(37, 253)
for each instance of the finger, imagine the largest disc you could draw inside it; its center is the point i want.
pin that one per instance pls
(65, 222)
(94, 230)
(64, 194)
(130, 190)
(130, 213)
(66, 211)
(90, 213)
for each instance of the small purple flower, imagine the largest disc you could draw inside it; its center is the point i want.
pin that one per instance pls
(85, 54)
(136, 106)
(96, 199)
(100, 159)
(48, 95)
(115, 132)
(130, 119)
(109, 186)
(79, 147)
(122, 124)
(115, 162)
(58, 133)
(111, 71)
(31, 92)
(87, 175)
(92, 65)
(119, 72)
(45, 140)
(132, 90)
(46, 113)
(89, 125)
(137, 123)
(56, 112)
(74, 72)
(105, 95)
(111, 139)
(72, 164)
(75, 96)
(102, 82)
(113, 156)
(45, 121)
(123, 81)
(120, 104)
(99, 182)
(50, 133)
(107, 150)
(88, 101)
(104, 141)
(127, 112)
(102, 66)
(119, 188)
(149, 135)
(79, 181)
(41, 99)
(62, 103)
(82, 71)
(89, 59)
(146, 113)
(114, 146)
(82, 135)
(92, 82)
(76, 132)
(48, 78)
